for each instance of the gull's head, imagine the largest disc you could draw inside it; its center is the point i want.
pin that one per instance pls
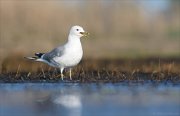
(78, 31)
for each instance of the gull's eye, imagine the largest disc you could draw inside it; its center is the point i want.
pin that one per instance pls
(77, 29)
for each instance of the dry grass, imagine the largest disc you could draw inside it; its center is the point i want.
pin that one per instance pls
(94, 70)
(16, 62)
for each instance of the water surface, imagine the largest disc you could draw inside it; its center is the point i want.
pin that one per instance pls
(74, 99)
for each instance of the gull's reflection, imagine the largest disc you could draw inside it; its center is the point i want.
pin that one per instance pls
(71, 103)
(60, 104)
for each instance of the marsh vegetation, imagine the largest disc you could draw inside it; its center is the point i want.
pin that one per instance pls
(95, 70)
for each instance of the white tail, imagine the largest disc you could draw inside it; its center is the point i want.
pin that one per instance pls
(31, 58)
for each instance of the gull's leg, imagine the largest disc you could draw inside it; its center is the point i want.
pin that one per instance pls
(70, 74)
(62, 73)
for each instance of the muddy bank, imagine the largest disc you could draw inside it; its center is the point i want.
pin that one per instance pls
(99, 76)
(96, 70)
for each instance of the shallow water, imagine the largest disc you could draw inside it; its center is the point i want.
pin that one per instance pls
(74, 99)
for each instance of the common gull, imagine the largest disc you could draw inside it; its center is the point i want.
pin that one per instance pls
(67, 55)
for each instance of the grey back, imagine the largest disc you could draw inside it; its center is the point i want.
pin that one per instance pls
(57, 52)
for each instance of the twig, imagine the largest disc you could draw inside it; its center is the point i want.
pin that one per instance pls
(28, 74)
(17, 71)
(159, 69)
(107, 73)
(98, 74)
(159, 65)
(43, 72)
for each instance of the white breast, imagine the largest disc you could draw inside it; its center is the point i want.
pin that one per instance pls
(72, 55)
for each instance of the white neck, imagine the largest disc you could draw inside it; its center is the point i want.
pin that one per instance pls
(74, 43)
(74, 39)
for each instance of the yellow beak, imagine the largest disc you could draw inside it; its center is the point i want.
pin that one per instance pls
(85, 34)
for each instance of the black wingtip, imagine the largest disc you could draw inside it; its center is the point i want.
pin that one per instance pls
(39, 54)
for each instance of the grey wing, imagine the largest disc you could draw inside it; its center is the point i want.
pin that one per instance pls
(57, 52)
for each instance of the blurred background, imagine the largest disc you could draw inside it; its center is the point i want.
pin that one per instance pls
(118, 29)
